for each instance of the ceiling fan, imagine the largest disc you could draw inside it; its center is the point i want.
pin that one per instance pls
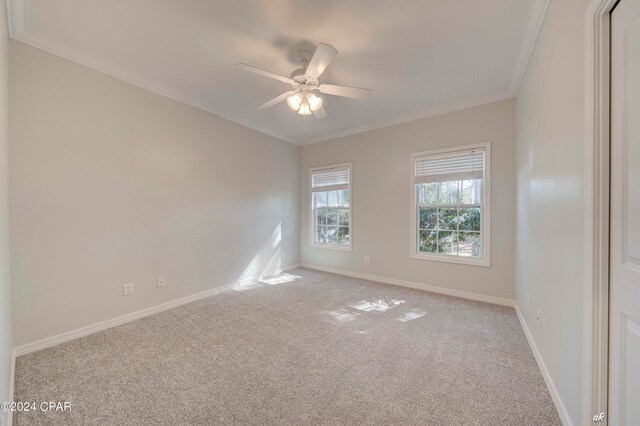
(305, 83)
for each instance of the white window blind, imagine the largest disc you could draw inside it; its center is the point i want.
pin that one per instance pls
(332, 179)
(450, 166)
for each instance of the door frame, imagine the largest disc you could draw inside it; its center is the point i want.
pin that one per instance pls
(596, 271)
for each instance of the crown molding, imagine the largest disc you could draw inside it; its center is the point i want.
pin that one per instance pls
(413, 116)
(535, 19)
(18, 30)
(56, 48)
(537, 12)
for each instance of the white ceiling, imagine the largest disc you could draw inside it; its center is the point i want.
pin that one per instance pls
(419, 57)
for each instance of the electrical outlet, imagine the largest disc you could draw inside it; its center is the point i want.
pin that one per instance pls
(161, 281)
(528, 301)
(367, 259)
(127, 289)
(539, 317)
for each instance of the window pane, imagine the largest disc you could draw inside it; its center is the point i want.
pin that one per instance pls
(427, 193)
(333, 199)
(343, 235)
(446, 242)
(447, 218)
(469, 219)
(321, 199)
(428, 218)
(343, 217)
(343, 198)
(471, 191)
(320, 235)
(469, 244)
(449, 214)
(321, 217)
(428, 241)
(332, 216)
(332, 234)
(448, 192)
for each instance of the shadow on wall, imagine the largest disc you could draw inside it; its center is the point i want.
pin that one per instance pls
(266, 267)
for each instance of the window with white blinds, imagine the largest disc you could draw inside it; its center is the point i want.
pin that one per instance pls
(450, 166)
(330, 221)
(450, 205)
(330, 179)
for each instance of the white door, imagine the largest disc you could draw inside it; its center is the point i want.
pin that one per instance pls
(624, 310)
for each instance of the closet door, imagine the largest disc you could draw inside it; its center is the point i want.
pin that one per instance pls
(624, 320)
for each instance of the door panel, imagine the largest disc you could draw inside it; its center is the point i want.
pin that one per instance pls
(630, 371)
(624, 311)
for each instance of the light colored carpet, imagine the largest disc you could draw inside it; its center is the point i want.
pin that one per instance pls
(310, 348)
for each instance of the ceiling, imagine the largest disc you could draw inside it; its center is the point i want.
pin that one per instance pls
(419, 57)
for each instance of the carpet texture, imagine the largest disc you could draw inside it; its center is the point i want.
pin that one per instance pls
(305, 348)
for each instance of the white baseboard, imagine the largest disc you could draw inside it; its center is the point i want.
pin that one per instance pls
(90, 329)
(419, 286)
(555, 396)
(292, 267)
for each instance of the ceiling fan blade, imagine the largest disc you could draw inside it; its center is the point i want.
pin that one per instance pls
(321, 60)
(320, 113)
(345, 91)
(263, 73)
(276, 100)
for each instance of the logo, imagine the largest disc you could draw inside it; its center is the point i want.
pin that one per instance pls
(598, 417)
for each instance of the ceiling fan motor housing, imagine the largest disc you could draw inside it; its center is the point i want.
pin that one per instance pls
(301, 81)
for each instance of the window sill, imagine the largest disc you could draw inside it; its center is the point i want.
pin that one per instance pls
(331, 247)
(451, 259)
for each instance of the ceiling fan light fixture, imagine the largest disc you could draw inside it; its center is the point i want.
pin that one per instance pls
(315, 102)
(305, 97)
(294, 101)
(304, 108)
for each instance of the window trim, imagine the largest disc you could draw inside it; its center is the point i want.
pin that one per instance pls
(485, 230)
(312, 225)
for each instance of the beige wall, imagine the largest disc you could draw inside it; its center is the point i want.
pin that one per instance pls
(5, 289)
(381, 191)
(550, 242)
(112, 184)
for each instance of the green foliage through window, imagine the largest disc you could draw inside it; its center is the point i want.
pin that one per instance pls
(449, 217)
(332, 217)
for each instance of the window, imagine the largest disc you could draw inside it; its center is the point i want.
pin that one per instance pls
(330, 207)
(450, 205)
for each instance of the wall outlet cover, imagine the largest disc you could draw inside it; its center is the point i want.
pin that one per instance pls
(127, 289)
